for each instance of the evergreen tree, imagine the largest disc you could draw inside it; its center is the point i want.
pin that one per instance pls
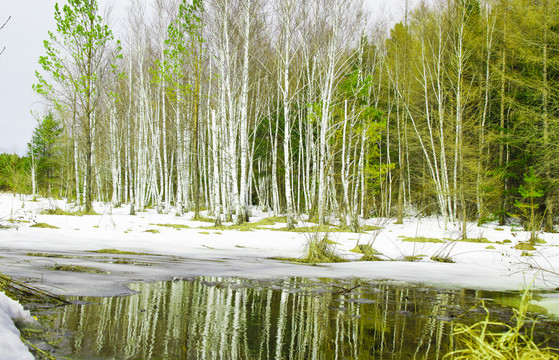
(44, 155)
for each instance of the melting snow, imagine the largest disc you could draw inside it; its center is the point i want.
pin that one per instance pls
(30, 252)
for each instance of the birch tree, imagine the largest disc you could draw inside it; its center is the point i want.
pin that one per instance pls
(78, 58)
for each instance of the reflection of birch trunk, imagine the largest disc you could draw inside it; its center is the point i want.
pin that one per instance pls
(281, 321)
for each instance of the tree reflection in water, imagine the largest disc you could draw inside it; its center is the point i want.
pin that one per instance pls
(216, 318)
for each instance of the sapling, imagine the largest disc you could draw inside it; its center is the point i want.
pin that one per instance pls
(530, 191)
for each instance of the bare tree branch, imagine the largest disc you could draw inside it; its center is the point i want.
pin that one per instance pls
(1, 27)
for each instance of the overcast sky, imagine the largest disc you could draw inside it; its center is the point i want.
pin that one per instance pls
(23, 38)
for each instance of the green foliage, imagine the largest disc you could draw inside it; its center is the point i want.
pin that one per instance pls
(79, 60)
(530, 191)
(43, 150)
(14, 173)
(183, 36)
(80, 33)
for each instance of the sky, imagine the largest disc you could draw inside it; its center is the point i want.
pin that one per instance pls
(23, 38)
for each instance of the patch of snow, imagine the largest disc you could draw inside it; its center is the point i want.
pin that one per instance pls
(10, 342)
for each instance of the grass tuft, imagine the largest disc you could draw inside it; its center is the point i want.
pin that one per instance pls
(319, 250)
(481, 341)
(442, 259)
(153, 231)
(413, 258)
(44, 226)
(369, 253)
(524, 246)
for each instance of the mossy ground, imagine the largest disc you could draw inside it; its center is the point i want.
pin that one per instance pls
(476, 240)
(76, 268)
(525, 246)
(174, 226)
(59, 211)
(422, 239)
(44, 226)
(116, 251)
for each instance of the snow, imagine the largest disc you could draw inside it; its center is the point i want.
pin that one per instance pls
(187, 253)
(10, 343)
(197, 251)
(29, 253)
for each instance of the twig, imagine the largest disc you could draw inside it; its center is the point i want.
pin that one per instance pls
(1, 27)
(346, 290)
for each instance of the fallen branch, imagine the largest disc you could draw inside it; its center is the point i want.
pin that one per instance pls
(14, 286)
(344, 290)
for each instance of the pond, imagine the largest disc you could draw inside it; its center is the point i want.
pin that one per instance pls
(234, 318)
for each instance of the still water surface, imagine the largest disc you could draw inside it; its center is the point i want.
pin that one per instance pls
(229, 318)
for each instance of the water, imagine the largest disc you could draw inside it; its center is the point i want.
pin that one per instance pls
(216, 318)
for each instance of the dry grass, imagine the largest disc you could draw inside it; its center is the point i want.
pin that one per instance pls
(369, 253)
(422, 239)
(480, 342)
(115, 251)
(174, 226)
(76, 268)
(321, 250)
(44, 226)
(59, 211)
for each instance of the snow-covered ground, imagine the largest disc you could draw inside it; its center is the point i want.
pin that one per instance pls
(29, 252)
(194, 251)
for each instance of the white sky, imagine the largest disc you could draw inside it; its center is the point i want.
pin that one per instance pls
(23, 38)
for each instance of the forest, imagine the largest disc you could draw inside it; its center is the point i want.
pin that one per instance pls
(301, 108)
